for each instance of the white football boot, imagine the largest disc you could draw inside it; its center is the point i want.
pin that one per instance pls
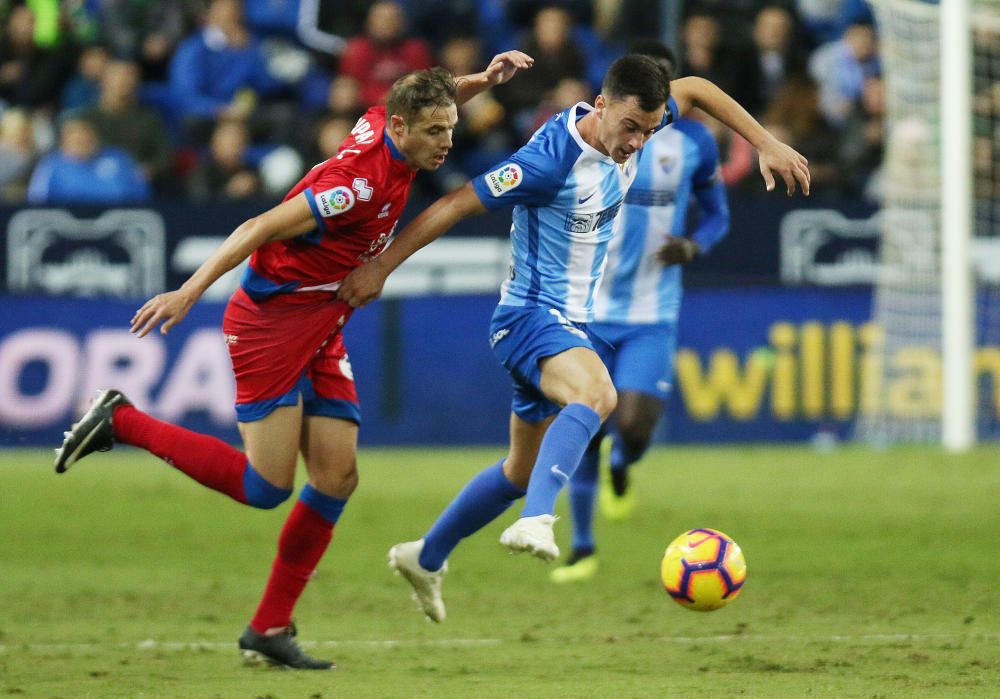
(405, 560)
(534, 535)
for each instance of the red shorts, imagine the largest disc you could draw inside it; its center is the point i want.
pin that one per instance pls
(289, 346)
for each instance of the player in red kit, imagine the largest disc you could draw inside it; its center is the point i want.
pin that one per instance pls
(294, 387)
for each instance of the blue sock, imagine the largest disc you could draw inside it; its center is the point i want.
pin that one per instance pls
(581, 498)
(562, 448)
(326, 506)
(261, 494)
(483, 499)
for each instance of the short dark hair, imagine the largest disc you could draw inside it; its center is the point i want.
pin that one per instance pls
(434, 87)
(655, 49)
(642, 77)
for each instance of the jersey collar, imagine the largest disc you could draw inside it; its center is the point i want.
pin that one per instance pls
(396, 155)
(577, 112)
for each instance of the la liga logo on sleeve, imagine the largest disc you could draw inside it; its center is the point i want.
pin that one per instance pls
(504, 178)
(334, 201)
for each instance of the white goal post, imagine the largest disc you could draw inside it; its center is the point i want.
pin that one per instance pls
(958, 427)
(937, 302)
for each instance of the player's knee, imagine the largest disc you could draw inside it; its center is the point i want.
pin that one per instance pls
(338, 482)
(602, 399)
(348, 483)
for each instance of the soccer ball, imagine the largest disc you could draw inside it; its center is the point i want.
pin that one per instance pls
(703, 569)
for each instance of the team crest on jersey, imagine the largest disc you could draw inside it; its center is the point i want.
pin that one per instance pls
(666, 164)
(334, 201)
(504, 178)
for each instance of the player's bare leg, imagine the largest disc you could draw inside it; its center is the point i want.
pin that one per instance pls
(635, 420)
(578, 380)
(329, 446)
(272, 444)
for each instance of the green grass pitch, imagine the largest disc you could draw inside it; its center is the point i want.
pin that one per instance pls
(870, 574)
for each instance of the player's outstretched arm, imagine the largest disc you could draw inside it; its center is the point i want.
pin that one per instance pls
(502, 68)
(287, 220)
(774, 156)
(364, 283)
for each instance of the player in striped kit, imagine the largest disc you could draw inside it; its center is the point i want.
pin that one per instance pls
(566, 185)
(637, 306)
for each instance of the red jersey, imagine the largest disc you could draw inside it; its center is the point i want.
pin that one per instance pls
(356, 197)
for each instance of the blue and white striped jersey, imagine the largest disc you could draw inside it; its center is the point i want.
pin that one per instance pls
(565, 195)
(676, 162)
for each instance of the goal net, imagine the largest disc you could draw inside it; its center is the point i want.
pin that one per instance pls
(903, 376)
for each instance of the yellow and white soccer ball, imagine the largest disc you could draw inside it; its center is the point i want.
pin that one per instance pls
(703, 569)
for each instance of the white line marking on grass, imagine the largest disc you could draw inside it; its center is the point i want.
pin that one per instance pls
(150, 644)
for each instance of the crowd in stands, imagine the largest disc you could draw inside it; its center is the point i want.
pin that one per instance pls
(110, 101)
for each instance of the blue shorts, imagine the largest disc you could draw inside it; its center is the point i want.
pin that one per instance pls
(641, 356)
(521, 337)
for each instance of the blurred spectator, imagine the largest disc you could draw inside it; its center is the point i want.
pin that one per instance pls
(821, 20)
(494, 27)
(627, 20)
(143, 31)
(383, 53)
(795, 118)
(17, 154)
(841, 68)
(225, 172)
(737, 159)
(482, 116)
(344, 98)
(30, 76)
(856, 12)
(342, 102)
(271, 17)
(83, 171)
(556, 55)
(862, 142)
(439, 20)
(779, 54)
(330, 132)
(479, 138)
(564, 95)
(324, 26)
(524, 12)
(220, 72)
(83, 89)
(121, 121)
(706, 55)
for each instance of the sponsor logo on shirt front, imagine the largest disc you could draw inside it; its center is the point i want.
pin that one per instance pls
(578, 222)
(504, 178)
(334, 202)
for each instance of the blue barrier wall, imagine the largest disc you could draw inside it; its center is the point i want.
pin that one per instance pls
(755, 364)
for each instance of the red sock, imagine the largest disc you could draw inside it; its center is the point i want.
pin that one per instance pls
(302, 543)
(208, 460)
